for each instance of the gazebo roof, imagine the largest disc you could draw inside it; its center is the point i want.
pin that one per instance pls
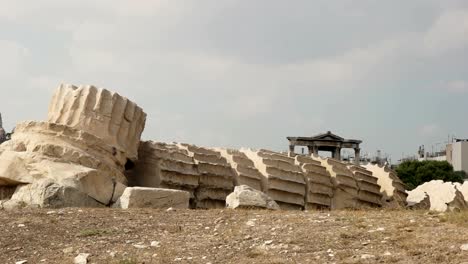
(328, 136)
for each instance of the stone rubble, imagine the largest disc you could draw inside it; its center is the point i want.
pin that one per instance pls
(443, 196)
(247, 197)
(78, 157)
(88, 154)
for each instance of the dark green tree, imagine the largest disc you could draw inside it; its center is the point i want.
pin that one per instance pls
(414, 173)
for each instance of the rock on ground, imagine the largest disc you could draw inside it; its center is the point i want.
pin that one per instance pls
(247, 197)
(144, 197)
(443, 196)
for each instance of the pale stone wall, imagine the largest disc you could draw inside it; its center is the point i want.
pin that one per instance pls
(107, 115)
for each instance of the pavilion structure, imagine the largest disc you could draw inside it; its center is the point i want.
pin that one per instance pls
(326, 142)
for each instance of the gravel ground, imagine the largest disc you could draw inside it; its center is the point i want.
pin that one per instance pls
(229, 236)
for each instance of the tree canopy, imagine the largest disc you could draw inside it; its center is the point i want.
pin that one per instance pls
(414, 173)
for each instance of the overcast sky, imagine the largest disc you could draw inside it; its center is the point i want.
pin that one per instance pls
(249, 73)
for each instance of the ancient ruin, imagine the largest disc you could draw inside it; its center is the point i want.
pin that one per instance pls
(2, 131)
(326, 142)
(88, 154)
(78, 157)
(443, 196)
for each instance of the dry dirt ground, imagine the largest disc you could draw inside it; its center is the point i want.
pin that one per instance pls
(228, 236)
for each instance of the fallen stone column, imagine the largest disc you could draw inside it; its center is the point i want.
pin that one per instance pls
(216, 177)
(345, 186)
(165, 165)
(283, 179)
(244, 169)
(368, 190)
(392, 188)
(72, 162)
(319, 185)
(116, 120)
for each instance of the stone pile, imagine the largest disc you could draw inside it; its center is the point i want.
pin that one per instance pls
(78, 157)
(319, 184)
(88, 152)
(392, 188)
(443, 196)
(216, 176)
(284, 180)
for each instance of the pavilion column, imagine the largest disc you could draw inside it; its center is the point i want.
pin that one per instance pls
(315, 149)
(337, 153)
(357, 156)
(291, 148)
(311, 150)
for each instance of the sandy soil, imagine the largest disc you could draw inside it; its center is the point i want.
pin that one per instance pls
(228, 236)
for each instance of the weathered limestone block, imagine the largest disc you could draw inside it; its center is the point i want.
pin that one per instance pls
(165, 165)
(463, 188)
(318, 182)
(49, 194)
(443, 196)
(392, 188)
(144, 197)
(369, 191)
(216, 176)
(424, 203)
(345, 186)
(247, 197)
(283, 180)
(107, 115)
(70, 158)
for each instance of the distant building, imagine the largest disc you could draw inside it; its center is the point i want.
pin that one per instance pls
(455, 153)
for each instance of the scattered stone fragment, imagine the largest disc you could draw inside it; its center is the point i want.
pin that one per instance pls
(443, 196)
(21, 262)
(464, 247)
(247, 197)
(68, 250)
(367, 256)
(82, 258)
(144, 197)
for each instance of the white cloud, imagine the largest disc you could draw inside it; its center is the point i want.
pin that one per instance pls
(458, 86)
(429, 130)
(12, 58)
(449, 32)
